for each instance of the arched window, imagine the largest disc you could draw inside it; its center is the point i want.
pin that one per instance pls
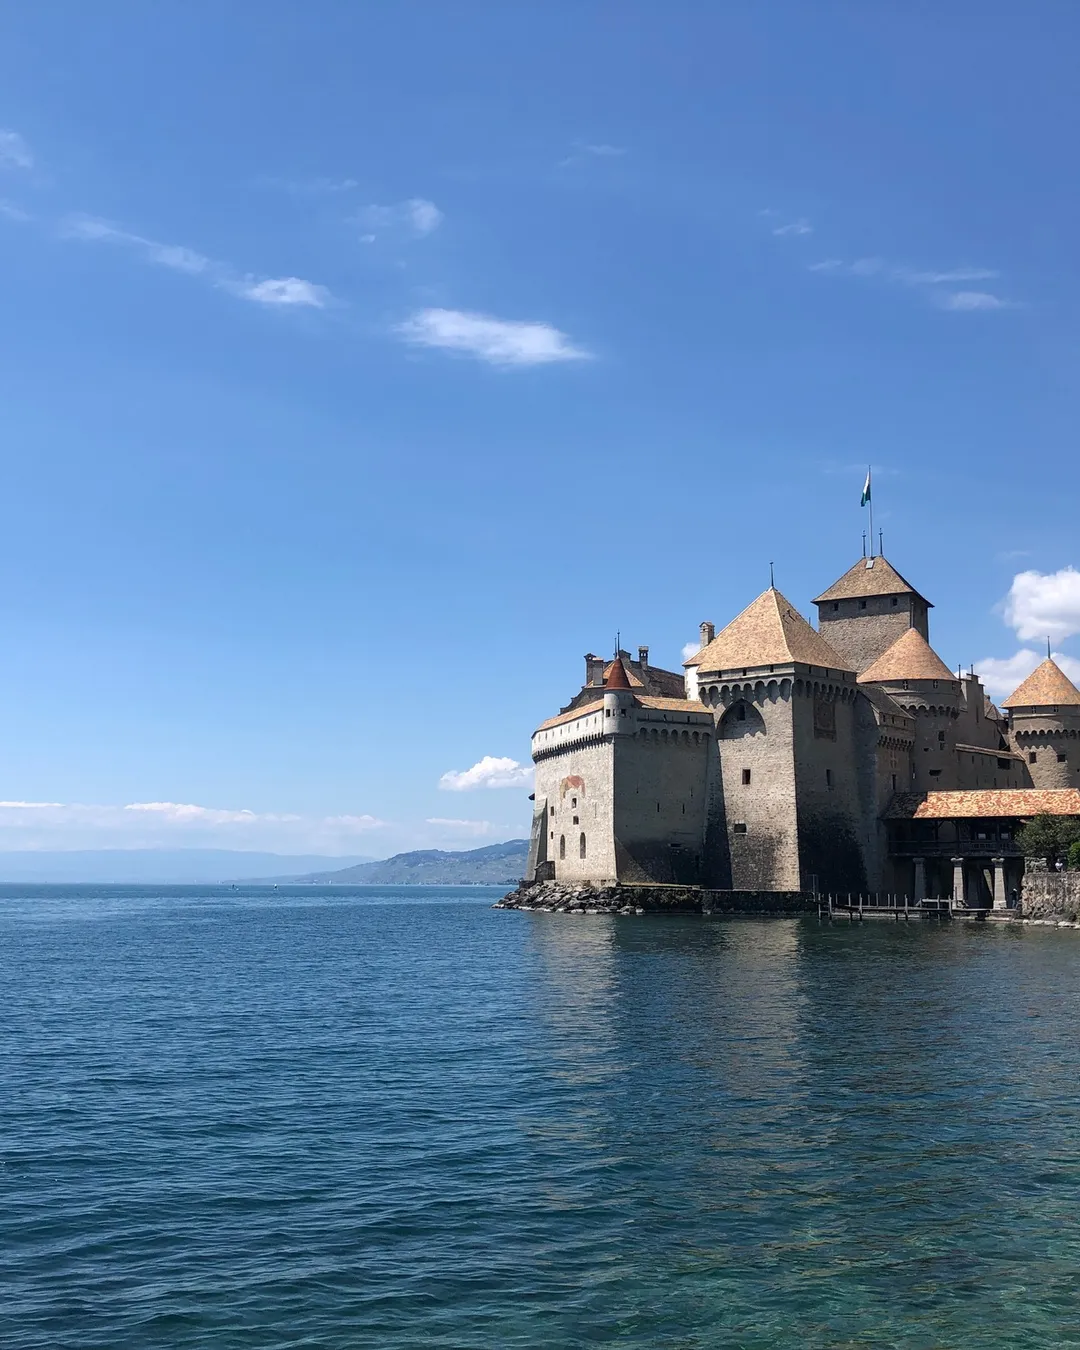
(562, 845)
(581, 847)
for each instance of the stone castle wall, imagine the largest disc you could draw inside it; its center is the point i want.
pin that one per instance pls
(861, 635)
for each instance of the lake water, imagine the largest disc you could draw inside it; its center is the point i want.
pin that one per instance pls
(397, 1118)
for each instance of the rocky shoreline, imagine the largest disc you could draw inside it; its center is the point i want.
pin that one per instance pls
(584, 897)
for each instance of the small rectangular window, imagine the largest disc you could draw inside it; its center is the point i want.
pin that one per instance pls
(836, 606)
(894, 602)
(1062, 759)
(894, 782)
(573, 803)
(739, 827)
(1033, 758)
(577, 821)
(828, 777)
(862, 604)
(935, 773)
(746, 777)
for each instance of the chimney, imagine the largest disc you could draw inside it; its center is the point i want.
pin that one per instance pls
(643, 656)
(708, 632)
(594, 669)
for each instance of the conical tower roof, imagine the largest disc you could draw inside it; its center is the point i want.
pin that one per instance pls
(1046, 687)
(768, 632)
(909, 658)
(616, 676)
(869, 576)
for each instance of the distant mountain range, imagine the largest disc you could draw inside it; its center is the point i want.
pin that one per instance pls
(495, 865)
(132, 866)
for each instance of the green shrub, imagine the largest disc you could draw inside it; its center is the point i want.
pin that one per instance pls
(1050, 837)
(1074, 856)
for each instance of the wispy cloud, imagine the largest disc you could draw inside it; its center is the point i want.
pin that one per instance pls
(493, 771)
(586, 150)
(417, 217)
(500, 342)
(929, 281)
(270, 291)
(973, 300)
(690, 649)
(14, 152)
(794, 227)
(12, 212)
(312, 187)
(26, 824)
(472, 828)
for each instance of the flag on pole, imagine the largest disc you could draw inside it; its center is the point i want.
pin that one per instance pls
(866, 490)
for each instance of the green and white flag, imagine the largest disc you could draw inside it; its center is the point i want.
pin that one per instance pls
(866, 490)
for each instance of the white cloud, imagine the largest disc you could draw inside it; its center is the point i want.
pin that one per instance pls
(949, 277)
(585, 150)
(270, 291)
(800, 226)
(312, 187)
(12, 212)
(283, 291)
(490, 772)
(1042, 604)
(690, 649)
(969, 301)
(473, 828)
(14, 152)
(65, 825)
(501, 342)
(1001, 676)
(416, 216)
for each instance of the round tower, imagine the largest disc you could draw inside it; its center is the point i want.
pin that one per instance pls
(618, 701)
(1044, 726)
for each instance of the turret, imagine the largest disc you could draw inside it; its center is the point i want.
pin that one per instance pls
(618, 701)
(1044, 726)
(916, 678)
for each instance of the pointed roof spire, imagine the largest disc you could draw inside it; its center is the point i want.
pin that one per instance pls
(909, 658)
(616, 676)
(768, 632)
(1046, 687)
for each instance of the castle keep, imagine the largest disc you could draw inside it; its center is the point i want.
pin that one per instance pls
(792, 759)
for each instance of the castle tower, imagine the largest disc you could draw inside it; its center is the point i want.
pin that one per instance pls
(1044, 719)
(785, 808)
(916, 678)
(862, 614)
(618, 701)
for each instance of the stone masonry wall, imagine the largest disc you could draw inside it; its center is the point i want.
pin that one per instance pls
(862, 635)
(1050, 895)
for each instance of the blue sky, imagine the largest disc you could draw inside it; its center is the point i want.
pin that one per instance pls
(364, 366)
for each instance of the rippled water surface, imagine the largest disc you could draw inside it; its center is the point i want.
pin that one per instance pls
(397, 1118)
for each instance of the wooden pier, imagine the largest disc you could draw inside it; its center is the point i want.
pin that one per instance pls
(898, 908)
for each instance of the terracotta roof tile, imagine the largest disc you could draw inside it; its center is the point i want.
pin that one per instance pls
(1007, 803)
(615, 676)
(869, 576)
(1046, 687)
(909, 658)
(768, 632)
(679, 705)
(635, 682)
(570, 715)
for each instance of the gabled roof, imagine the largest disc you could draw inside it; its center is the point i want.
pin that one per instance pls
(1002, 803)
(909, 658)
(768, 632)
(1046, 687)
(869, 576)
(990, 712)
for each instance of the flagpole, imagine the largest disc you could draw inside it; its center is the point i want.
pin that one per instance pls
(870, 503)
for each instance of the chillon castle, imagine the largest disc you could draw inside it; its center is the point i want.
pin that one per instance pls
(789, 759)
